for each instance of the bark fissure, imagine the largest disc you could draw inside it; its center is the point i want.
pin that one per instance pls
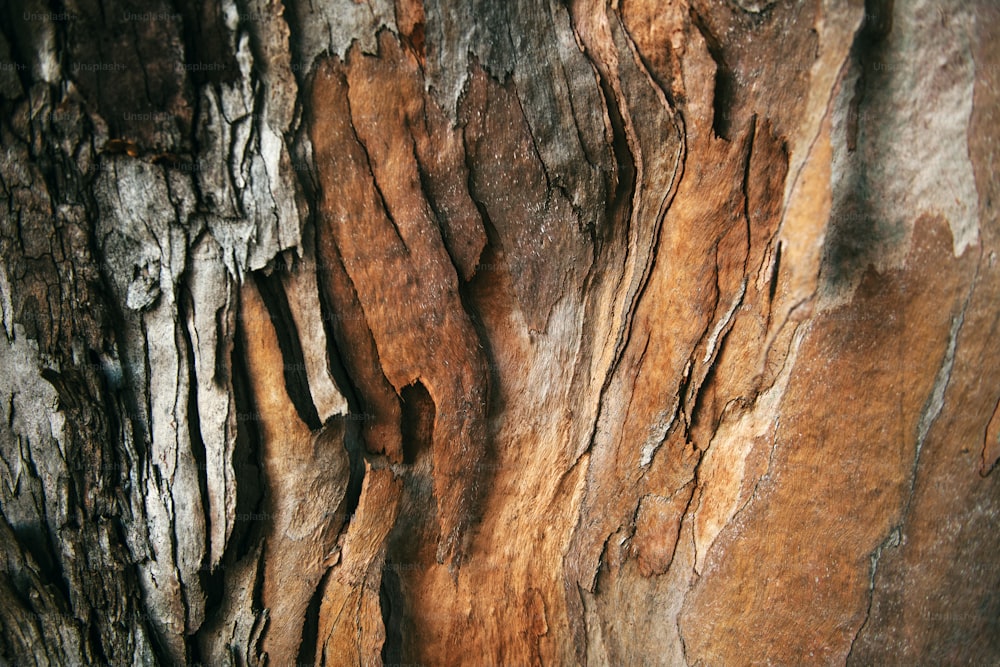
(294, 373)
(891, 541)
(450, 332)
(371, 172)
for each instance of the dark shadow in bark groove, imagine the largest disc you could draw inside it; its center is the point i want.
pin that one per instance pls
(856, 234)
(725, 80)
(353, 439)
(185, 309)
(296, 381)
(390, 598)
(417, 421)
(310, 626)
(250, 487)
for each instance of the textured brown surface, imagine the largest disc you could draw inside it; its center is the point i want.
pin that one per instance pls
(475, 332)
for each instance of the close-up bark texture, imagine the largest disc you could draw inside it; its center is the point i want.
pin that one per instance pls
(482, 332)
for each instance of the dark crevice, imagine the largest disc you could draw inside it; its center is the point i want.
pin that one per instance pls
(676, 535)
(726, 319)
(353, 439)
(775, 268)
(575, 601)
(490, 375)
(692, 391)
(745, 186)
(296, 380)
(391, 602)
(602, 566)
(695, 474)
(18, 41)
(694, 412)
(706, 382)
(193, 650)
(258, 593)
(416, 421)
(35, 539)
(371, 167)
(691, 387)
(866, 52)
(449, 243)
(310, 626)
(212, 583)
(685, 391)
(157, 645)
(354, 444)
(620, 203)
(206, 40)
(856, 233)
(185, 312)
(493, 242)
(490, 255)
(619, 208)
(94, 644)
(637, 290)
(300, 70)
(222, 374)
(664, 86)
(724, 98)
(250, 490)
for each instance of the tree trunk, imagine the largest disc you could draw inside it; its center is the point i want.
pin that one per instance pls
(478, 332)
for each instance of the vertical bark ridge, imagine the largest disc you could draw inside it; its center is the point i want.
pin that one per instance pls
(464, 332)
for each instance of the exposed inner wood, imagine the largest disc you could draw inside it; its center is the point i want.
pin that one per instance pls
(467, 332)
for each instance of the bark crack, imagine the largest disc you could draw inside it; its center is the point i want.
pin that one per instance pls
(439, 217)
(370, 167)
(891, 541)
(725, 82)
(932, 408)
(296, 380)
(534, 141)
(765, 477)
(745, 188)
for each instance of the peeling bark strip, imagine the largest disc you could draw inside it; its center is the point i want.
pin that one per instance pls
(466, 332)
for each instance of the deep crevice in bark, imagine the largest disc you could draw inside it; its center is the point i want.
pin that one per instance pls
(772, 283)
(856, 234)
(725, 80)
(865, 52)
(296, 381)
(106, 410)
(310, 624)
(251, 488)
(392, 604)
(619, 205)
(356, 410)
(185, 308)
(205, 41)
(417, 422)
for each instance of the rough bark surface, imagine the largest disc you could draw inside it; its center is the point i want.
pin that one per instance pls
(476, 332)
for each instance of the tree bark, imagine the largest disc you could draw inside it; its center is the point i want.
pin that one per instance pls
(472, 332)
